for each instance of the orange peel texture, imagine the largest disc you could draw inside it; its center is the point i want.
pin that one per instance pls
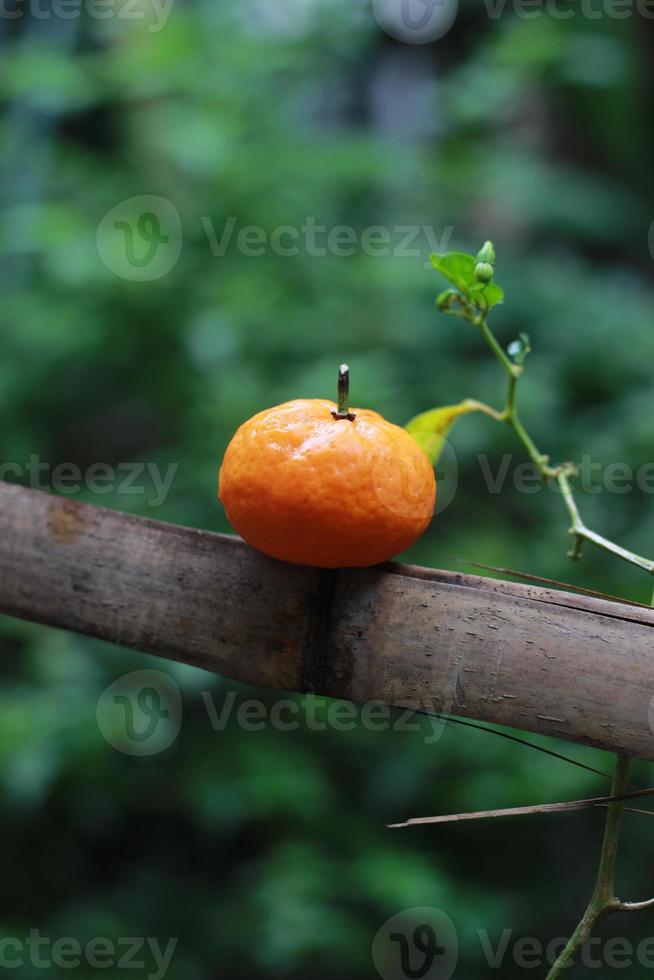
(307, 488)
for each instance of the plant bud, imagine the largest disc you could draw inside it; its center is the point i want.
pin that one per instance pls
(484, 272)
(486, 253)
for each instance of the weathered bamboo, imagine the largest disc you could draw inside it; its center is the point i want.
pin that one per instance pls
(538, 659)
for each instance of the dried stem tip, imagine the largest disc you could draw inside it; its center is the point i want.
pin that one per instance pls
(344, 395)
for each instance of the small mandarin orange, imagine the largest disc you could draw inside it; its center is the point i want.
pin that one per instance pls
(313, 483)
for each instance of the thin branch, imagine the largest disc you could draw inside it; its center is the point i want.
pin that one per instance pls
(520, 811)
(560, 473)
(493, 413)
(511, 573)
(538, 458)
(580, 531)
(603, 900)
(635, 906)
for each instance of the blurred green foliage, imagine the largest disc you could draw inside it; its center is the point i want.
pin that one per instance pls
(266, 853)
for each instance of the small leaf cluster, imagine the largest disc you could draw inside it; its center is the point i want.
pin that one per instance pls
(474, 290)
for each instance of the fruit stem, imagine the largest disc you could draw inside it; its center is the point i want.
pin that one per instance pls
(344, 395)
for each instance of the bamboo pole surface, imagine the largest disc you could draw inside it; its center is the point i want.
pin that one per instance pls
(547, 661)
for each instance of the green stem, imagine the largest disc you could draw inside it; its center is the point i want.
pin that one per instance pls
(581, 532)
(511, 396)
(510, 414)
(560, 473)
(603, 900)
(536, 457)
(513, 370)
(492, 413)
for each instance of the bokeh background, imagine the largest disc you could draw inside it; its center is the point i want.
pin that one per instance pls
(266, 853)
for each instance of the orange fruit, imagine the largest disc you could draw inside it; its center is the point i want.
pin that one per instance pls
(304, 485)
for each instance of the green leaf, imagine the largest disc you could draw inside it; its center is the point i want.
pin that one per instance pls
(492, 294)
(457, 267)
(487, 294)
(430, 429)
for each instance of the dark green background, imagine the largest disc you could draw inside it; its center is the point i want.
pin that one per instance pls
(266, 853)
